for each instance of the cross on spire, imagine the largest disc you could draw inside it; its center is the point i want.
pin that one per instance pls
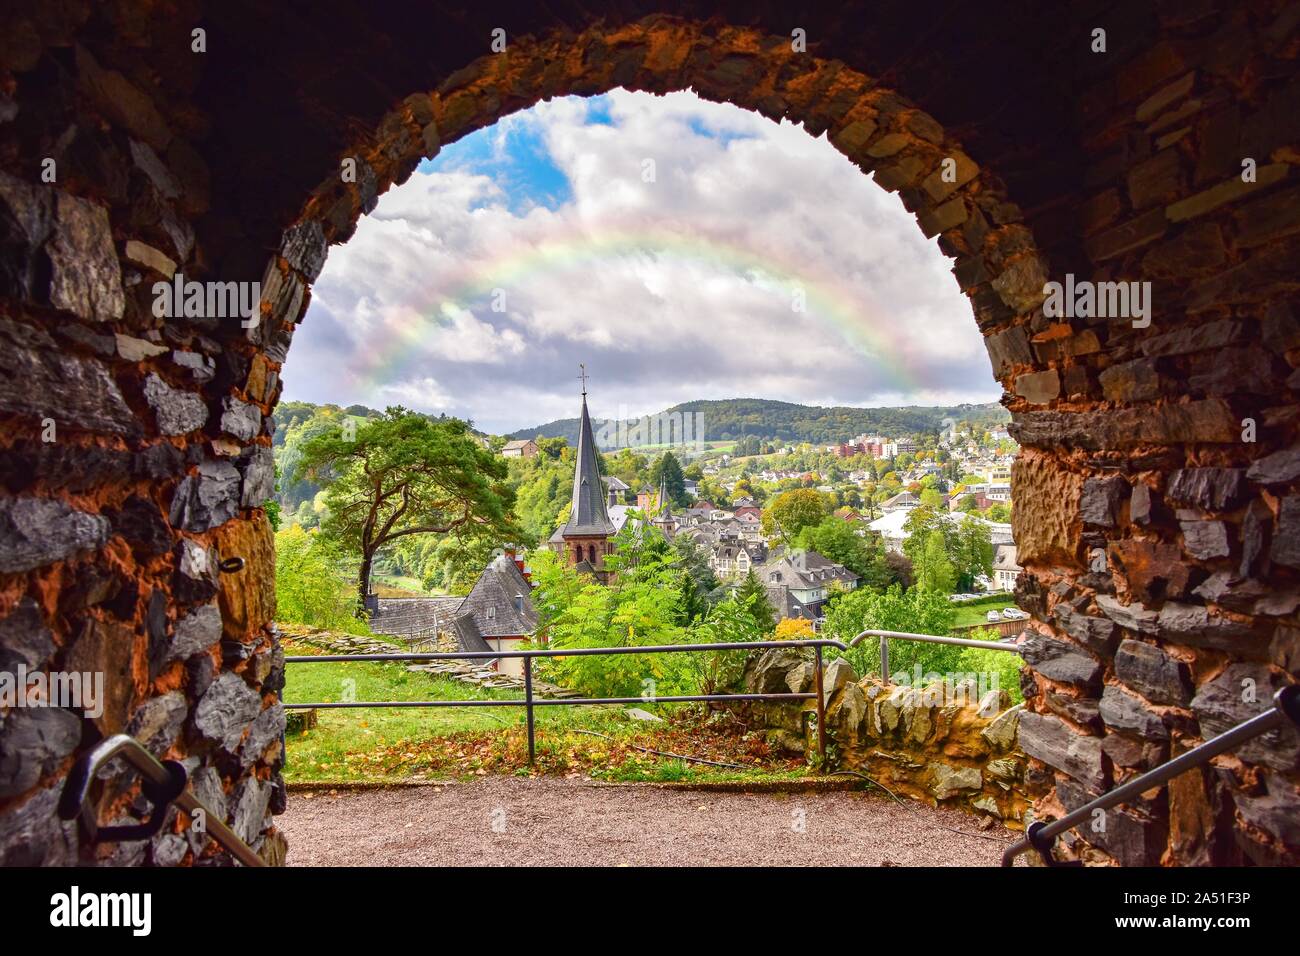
(582, 374)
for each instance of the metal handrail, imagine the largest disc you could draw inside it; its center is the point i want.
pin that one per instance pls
(1042, 836)
(529, 702)
(164, 784)
(887, 636)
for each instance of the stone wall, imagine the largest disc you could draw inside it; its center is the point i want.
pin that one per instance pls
(935, 744)
(1157, 504)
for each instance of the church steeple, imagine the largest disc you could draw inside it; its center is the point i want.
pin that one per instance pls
(587, 514)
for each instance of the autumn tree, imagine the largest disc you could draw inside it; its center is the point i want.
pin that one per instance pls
(403, 474)
(792, 511)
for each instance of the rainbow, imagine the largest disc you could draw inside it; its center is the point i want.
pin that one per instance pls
(827, 297)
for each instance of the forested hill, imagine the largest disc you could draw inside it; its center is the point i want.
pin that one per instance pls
(734, 418)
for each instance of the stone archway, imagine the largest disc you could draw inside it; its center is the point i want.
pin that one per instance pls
(1159, 545)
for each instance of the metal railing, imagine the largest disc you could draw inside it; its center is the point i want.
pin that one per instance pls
(530, 702)
(163, 784)
(1042, 836)
(887, 636)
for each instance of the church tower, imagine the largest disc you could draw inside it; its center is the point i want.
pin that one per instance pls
(586, 538)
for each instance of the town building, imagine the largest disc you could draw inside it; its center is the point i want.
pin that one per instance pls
(498, 613)
(586, 539)
(800, 583)
(520, 448)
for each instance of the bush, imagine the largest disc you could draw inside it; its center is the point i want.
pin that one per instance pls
(310, 587)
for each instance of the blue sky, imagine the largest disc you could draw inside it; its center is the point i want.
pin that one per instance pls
(540, 242)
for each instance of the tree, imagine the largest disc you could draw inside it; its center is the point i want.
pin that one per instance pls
(934, 572)
(668, 472)
(753, 597)
(973, 551)
(792, 511)
(794, 629)
(839, 540)
(917, 611)
(403, 474)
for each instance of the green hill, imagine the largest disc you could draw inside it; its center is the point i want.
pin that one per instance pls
(734, 418)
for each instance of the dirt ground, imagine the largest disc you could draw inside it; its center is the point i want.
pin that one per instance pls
(509, 821)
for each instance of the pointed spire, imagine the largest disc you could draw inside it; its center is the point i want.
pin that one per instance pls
(587, 514)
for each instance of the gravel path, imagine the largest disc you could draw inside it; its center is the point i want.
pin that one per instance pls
(508, 821)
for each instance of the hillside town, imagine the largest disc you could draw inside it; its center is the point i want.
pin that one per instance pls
(876, 485)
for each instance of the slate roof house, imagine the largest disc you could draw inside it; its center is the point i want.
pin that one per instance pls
(520, 448)
(498, 613)
(800, 583)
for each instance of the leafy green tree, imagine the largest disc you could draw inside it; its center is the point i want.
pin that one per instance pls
(916, 611)
(668, 471)
(310, 587)
(934, 572)
(973, 551)
(753, 596)
(839, 540)
(792, 511)
(403, 474)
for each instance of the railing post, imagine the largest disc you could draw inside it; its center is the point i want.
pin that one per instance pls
(528, 698)
(821, 713)
(884, 660)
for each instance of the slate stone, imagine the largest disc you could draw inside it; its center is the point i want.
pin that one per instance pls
(158, 721)
(26, 218)
(40, 379)
(1197, 626)
(31, 833)
(33, 742)
(266, 729)
(1277, 468)
(1100, 502)
(208, 499)
(177, 412)
(1275, 811)
(1133, 617)
(1156, 675)
(24, 638)
(1286, 540)
(142, 525)
(305, 248)
(86, 278)
(155, 622)
(1059, 660)
(1212, 489)
(195, 632)
(1131, 838)
(1239, 692)
(1098, 634)
(1051, 741)
(258, 468)
(168, 849)
(1084, 711)
(1205, 540)
(225, 711)
(35, 532)
(252, 799)
(199, 674)
(206, 784)
(1124, 711)
(195, 579)
(240, 419)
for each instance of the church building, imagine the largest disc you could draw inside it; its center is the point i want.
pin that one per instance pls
(587, 537)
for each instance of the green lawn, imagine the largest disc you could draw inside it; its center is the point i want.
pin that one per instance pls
(385, 745)
(966, 616)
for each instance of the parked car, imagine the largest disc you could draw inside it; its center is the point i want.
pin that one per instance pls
(993, 617)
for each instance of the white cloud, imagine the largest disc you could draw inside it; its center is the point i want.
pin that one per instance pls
(669, 290)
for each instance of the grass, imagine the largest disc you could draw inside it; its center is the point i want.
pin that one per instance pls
(395, 745)
(975, 614)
